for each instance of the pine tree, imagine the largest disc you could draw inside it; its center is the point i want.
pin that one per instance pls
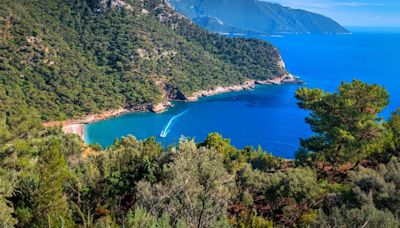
(51, 207)
(6, 189)
(346, 123)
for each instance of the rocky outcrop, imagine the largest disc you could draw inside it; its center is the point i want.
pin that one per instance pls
(220, 89)
(160, 107)
(286, 78)
(115, 4)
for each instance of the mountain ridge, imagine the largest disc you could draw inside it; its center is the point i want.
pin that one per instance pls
(254, 17)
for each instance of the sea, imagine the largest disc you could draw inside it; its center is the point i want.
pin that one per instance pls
(268, 115)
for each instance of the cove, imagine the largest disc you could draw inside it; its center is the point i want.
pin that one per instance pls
(247, 117)
(268, 115)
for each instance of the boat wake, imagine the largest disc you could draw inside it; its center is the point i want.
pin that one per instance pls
(167, 128)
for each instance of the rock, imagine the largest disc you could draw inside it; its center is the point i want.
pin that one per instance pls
(160, 107)
(220, 89)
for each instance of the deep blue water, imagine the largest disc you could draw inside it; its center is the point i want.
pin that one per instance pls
(268, 116)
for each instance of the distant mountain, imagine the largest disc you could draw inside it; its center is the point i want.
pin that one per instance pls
(254, 16)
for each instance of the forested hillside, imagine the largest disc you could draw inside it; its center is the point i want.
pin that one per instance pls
(66, 58)
(346, 175)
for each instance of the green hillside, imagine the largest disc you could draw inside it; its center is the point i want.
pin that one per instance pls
(67, 58)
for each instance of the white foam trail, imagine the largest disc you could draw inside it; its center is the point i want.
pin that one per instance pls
(167, 128)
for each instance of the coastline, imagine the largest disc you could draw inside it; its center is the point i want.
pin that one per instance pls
(247, 85)
(77, 126)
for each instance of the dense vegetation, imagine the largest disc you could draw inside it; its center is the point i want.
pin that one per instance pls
(67, 58)
(349, 176)
(254, 17)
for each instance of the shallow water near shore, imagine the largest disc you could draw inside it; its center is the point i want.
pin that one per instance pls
(268, 115)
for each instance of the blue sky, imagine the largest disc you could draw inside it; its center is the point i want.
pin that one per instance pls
(352, 12)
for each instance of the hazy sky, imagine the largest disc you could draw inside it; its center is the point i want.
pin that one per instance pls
(352, 12)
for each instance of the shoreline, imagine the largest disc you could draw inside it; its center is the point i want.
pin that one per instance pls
(247, 85)
(77, 126)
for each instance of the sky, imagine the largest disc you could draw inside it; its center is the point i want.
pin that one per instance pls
(383, 13)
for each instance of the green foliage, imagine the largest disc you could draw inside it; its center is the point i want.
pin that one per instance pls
(96, 147)
(394, 128)
(252, 221)
(140, 218)
(367, 216)
(299, 184)
(346, 124)
(17, 120)
(235, 159)
(217, 142)
(292, 194)
(50, 204)
(7, 183)
(379, 187)
(112, 177)
(197, 190)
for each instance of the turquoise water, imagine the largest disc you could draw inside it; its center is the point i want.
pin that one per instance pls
(268, 116)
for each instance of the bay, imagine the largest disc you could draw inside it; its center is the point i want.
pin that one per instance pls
(268, 115)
